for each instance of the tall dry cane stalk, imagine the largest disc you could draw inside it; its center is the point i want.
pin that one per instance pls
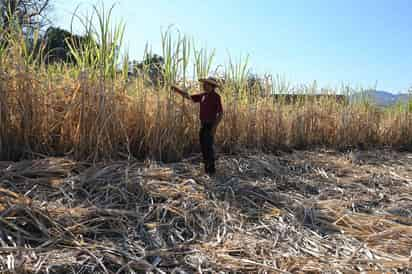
(5, 124)
(86, 111)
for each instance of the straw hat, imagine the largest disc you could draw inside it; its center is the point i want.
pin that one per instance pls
(210, 80)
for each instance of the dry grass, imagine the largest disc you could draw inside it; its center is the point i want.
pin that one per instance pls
(313, 211)
(88, 111)
(95, 207)
(61, 114)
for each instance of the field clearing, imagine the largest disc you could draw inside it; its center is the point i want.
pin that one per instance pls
(318, 210)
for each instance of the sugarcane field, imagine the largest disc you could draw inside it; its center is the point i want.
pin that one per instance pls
(119, 155)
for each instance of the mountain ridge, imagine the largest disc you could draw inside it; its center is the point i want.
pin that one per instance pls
(381, 97)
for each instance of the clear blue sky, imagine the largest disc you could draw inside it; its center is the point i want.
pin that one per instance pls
(352, 41)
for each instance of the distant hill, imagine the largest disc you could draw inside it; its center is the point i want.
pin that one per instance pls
(381, 98)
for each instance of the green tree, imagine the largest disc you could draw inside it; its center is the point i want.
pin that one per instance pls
(30, 14)
(57, 49)
(152, 67)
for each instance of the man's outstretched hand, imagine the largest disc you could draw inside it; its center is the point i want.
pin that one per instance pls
(180, 91)
(175, 88)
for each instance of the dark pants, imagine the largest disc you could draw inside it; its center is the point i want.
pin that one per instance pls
(206, 143)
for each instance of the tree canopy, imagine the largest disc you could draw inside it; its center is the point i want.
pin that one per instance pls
(29, 14)
(57, 49)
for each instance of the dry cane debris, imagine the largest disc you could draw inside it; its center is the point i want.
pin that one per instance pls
(312, 211)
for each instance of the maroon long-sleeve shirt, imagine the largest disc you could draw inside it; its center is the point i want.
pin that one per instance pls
(210, 105)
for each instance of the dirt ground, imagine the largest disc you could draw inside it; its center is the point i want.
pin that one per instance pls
(307, 211)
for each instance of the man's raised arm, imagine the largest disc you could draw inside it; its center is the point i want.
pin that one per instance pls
(182, 92)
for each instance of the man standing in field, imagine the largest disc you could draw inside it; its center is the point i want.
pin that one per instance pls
(211, 113)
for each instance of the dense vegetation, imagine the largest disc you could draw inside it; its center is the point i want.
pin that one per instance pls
(77, 95)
